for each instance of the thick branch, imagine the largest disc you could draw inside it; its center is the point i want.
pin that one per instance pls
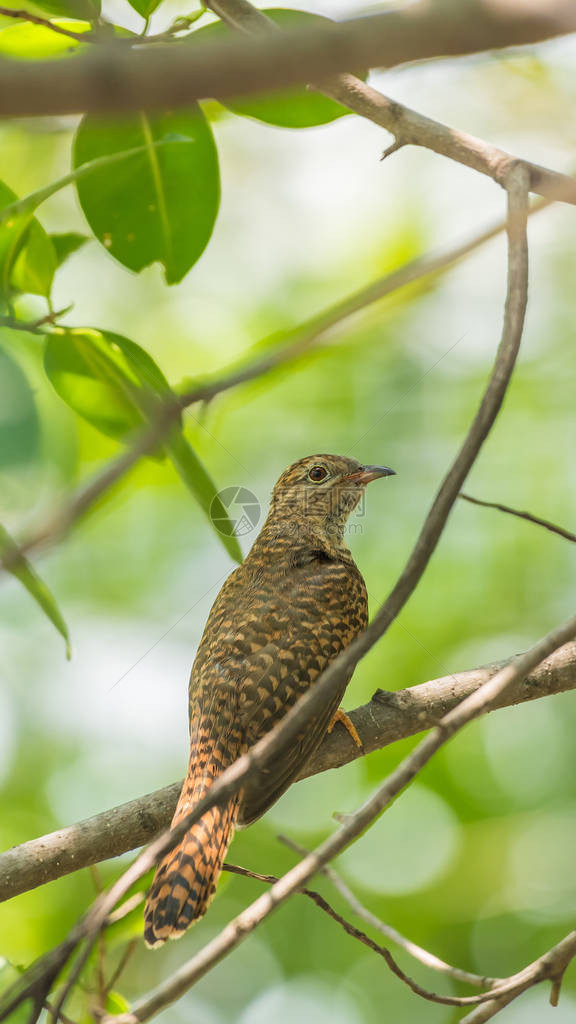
(408, 126)
(111, 79)
(388, 717)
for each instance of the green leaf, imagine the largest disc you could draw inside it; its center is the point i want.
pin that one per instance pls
(35, 264)
(26, 206)
(293, 108)
(25, 41)
(201, 485)
(108, 380)
(19, 426)
(66, 244)
(145, 7)
(159, 204)
(22, 570)
(117, 387)
(115, 1003)
(27, 257)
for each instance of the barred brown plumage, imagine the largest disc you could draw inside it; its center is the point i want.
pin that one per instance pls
(278, 621)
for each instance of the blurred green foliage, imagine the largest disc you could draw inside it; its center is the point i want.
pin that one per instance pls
(475, 862)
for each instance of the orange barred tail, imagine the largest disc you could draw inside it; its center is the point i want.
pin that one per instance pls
(185, 881)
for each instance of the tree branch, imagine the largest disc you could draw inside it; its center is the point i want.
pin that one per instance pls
(389, 717)
(417, 952)
(110, 79)
(408, 126)
(552, 527)
(355, 933)
(35, 19)
(551, 965)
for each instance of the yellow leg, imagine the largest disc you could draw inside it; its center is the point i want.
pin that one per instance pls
(341, 716)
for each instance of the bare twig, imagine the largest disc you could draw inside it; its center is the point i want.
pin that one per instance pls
(355, 933)
(35, 19)
(121, 965)
(424, 956)
(408, 126)
(111, 79)
(387, 718)
(567, 534)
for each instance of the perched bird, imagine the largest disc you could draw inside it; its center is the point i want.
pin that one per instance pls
(278, 621)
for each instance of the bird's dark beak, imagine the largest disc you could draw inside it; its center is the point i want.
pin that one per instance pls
(368, 473)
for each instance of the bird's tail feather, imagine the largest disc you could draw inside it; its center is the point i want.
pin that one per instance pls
(185, 881)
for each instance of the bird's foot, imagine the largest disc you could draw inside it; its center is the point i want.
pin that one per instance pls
(341, 716)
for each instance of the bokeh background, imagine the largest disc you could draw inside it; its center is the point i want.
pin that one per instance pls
(476, 861)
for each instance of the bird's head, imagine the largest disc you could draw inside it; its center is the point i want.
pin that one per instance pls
(323, 489)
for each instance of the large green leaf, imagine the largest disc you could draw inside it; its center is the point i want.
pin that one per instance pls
(107, 379)
(22, 570)
(25, 41)
(12, 213)
(19, 427)
(292, 108)
(117, 387)
(160, 204)
(27, 257)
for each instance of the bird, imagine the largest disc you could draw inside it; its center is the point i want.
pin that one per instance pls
(278, 621)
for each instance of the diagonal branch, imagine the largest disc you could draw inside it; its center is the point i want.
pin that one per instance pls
(408, 126)
(35, 19)
(387, 718)
(355, 933)
(552, 527)
(418, 952)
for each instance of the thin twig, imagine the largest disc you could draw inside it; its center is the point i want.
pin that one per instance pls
(424, 956)
(550, 966)
(567, 534)
(356, 933)
(35, 19)
(121, 965)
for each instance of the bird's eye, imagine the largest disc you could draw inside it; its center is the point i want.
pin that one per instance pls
(317, 473)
